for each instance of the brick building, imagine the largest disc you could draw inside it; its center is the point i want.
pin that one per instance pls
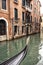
(36, 16)
(19, 18)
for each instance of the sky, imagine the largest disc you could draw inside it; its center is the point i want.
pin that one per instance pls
(41, 9)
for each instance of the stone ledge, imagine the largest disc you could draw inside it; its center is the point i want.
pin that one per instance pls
(3, 38)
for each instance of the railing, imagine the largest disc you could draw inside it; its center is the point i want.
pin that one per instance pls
(16, 20)
(28, 8)
(27, 5)
(28, 21)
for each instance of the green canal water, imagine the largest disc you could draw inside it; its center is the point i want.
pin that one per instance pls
(33, 56)
(35, 49)
(9, 49)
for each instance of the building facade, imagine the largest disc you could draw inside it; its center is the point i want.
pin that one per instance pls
(19, 18)
(42, 24)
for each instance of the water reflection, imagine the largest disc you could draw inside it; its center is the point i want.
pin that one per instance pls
(33, 51)
(41, 45)
(40, 50)
(10, 48)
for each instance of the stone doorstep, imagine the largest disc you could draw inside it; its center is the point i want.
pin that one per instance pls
(2, 38)
(19, 35)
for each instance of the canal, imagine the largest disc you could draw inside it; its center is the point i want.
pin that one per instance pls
(34, 54)
(35, 51)
(9, 49)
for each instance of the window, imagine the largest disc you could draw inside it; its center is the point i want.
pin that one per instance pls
(34, 10)
(2, 27)
(23, 2)
(15, 0)
(27, 17)
(35, 19)
(31, 6)
(15, 30)
(23, 16)
(16, 14)
(4, 4)
(23, 29)
(30, 18)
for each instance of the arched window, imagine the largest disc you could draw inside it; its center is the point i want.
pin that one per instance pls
(2, 27)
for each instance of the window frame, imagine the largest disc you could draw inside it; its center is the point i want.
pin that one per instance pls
(15, 14)
(23, 3)
(4, 8)
(23, 16)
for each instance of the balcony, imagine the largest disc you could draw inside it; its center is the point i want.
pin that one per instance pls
(17, 20)
(28, 21)
(28, 7)
(26, 4)
(40, 19)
